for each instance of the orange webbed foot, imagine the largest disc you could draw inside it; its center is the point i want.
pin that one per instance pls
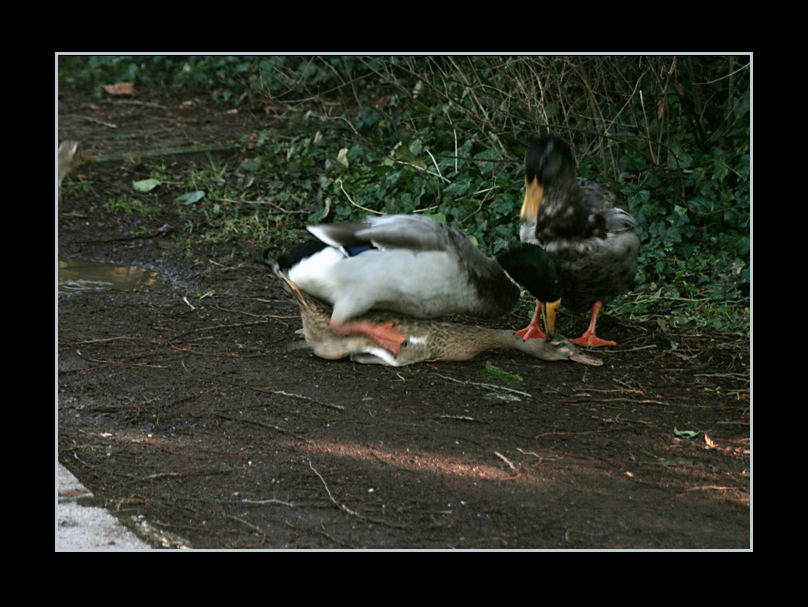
(532, 331)
(590, 340)
(385, 334)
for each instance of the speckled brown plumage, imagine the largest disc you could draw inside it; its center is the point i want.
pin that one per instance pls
(584, 226)
(426, 340)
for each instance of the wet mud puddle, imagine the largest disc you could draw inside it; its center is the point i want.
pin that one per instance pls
(82, 276)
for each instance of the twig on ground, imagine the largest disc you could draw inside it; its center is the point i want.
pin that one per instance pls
(250, 525)
(101, 122)
(300, 396)
(506, 460)
(215, 327)
(345, 508)
(638, 348)
(103, 339)
(484, 385)
(255, 423)
(342, 507)
(272, 500)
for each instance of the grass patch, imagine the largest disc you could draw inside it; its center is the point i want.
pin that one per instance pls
(128, 206)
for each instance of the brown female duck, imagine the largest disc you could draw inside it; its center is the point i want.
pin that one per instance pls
(424, 340)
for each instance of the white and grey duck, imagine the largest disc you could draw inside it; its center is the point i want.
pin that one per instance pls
(412, 265)
(586, 229)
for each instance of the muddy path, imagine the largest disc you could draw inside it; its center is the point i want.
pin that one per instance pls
(181, 406)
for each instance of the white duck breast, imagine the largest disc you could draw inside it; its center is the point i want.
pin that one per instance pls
(424, 284)
(417, 266)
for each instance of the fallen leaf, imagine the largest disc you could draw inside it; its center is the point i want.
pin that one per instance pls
(711, 444)
(122, 88)
(190, 197)
(145, 185)
(684, 433)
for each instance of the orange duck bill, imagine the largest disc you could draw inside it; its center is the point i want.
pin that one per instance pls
(533, 195)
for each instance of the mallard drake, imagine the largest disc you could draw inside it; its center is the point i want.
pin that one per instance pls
(413, 265)
(584, 227)
(425, 340)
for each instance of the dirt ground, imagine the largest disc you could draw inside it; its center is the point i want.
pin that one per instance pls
(182, 410)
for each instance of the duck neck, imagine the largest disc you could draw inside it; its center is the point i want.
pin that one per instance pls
(470, 341)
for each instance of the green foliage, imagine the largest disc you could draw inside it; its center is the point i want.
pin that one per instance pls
(128, 206)
(446, 136)
(226, 77)
(494, 373)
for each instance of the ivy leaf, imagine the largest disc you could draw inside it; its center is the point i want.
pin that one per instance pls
(251, 165)
(190, 197)
(436, 216)
(145, 185)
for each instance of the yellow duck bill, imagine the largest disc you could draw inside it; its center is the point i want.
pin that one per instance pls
(548, 313)
(533, 195)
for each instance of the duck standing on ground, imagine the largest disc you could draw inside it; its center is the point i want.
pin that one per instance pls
(586, 229)
(412, 265)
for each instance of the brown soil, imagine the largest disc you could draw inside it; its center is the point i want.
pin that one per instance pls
(189, 413)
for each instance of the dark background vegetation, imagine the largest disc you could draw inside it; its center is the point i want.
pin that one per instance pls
(446, 135)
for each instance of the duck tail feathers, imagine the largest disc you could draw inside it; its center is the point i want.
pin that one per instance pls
(275, 266)
(268, 260)
(291, 286)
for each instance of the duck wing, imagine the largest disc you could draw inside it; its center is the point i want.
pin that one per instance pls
(341, 236)
(601, 196)
(413, 232)
(609, 203)
(416, 233)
